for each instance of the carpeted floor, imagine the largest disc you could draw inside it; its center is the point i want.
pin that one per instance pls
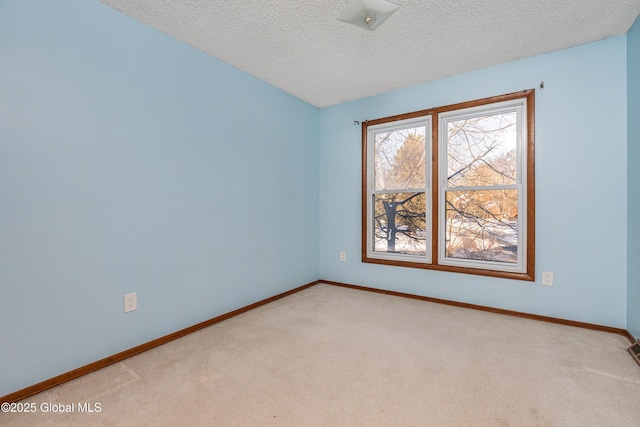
(331, 356)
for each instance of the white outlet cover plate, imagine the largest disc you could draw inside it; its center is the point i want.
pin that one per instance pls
(130, 302)
(547, 278)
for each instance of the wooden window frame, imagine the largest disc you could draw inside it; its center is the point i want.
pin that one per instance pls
(528, 273)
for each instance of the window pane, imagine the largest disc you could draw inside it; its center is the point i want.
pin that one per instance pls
(482, 225)
(400, 223)
(482, 150)
(399, 158)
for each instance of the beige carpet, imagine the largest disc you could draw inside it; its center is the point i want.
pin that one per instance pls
(331, 356)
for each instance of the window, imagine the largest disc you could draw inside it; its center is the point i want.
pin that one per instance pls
(452, 188)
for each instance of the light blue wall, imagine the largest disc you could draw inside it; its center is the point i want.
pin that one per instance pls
(581, 186)
(633, 179)
(131, 162)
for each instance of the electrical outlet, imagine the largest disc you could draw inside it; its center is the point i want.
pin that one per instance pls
(130, 302)
(547, 278)
(343, 256)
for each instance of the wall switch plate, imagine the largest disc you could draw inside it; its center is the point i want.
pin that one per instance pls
(130, 302)
(547, 278)
(343, 256)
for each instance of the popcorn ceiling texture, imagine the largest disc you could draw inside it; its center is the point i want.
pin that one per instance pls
(301, 47)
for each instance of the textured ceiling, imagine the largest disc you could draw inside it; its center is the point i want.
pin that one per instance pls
(301, 47)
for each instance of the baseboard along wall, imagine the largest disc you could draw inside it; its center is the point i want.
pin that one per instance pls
(86, 369)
